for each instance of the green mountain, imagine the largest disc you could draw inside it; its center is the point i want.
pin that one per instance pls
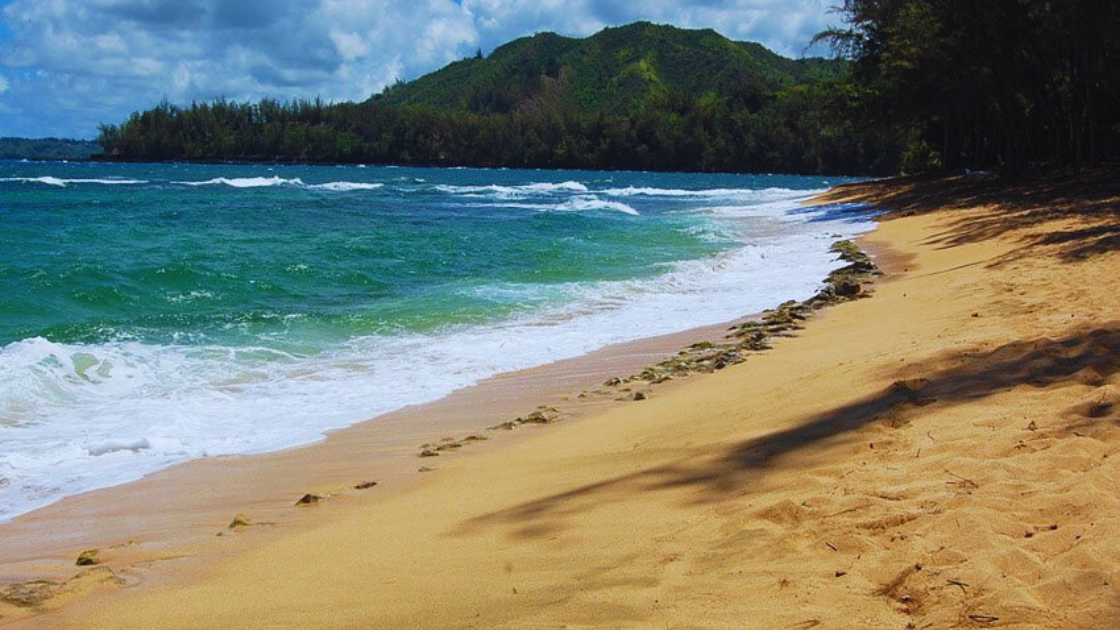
(615, 70)
(641, 96)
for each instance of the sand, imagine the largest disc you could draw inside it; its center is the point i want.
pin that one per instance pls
(945, 454)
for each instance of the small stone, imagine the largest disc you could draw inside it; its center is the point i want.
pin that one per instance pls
(89, 557)
(365, 485)
(475, 438)
(640, 395)
(240, 520)
(425, 469)
(428, 453)
(309, 499)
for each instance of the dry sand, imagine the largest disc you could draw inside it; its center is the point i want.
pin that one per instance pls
(946, 454)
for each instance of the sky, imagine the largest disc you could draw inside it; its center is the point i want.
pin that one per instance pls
(68, 65)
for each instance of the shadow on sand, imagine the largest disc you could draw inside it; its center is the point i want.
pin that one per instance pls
(1087, 356)
(1079, 210)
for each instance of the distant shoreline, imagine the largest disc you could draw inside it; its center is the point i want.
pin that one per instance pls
(285, 162)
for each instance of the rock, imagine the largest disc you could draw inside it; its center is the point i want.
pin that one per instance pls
(639, 395)
(475, 438)
(449, 446)
(309, 499)
(365, 485)
(539, 417)
(847, 288)
(29, 594)
(89, 557)
(425, 469)
(911, 385)
(428, 453)
(240, 520)
(613, 382)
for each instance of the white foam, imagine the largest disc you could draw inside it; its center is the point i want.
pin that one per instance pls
(62, 183)
(75, 417)
(525, 190)
(245, 182)
(575, 204)
(345, 186)
(735, 194)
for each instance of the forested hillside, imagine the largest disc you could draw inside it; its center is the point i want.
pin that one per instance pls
(46, 149)
(641, 96)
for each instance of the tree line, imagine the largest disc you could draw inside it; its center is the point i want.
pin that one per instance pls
(796, 130)
(987, 83)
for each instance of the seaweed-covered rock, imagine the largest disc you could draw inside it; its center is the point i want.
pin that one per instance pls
(847, 288)
(89, 557)
(540, 416)
(29, 594)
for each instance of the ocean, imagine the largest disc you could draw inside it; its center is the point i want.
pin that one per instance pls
(152, 314)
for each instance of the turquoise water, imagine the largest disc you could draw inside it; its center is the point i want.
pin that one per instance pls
(151, 314)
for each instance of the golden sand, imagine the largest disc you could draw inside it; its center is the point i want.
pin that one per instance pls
(945, 454)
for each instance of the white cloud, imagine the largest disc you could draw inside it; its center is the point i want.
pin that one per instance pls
(82, 62)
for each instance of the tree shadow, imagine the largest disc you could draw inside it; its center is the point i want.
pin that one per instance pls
(1088, 356)
(1042, 201)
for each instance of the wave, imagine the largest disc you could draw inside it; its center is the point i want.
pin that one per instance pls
(345, 186)
(746, 194)
(540, 188)
(267, 182)
(575, 204)
(245, 182)
(62, 183)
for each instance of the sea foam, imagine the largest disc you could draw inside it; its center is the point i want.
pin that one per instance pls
(345, 186)
(524, 190)
(62, 183)
(584, 203)
(245, 182)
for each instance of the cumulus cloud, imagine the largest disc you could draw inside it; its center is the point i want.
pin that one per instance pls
(72, 64)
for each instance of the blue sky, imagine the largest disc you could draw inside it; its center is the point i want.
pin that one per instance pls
(67, 65)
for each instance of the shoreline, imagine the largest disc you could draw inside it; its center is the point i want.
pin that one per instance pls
(175, 513)
(944, 455)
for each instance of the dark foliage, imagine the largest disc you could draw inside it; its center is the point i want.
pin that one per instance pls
(637, 97)
(46, 149)
(979, 83)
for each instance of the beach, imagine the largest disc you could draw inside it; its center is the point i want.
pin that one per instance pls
(940, 454)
